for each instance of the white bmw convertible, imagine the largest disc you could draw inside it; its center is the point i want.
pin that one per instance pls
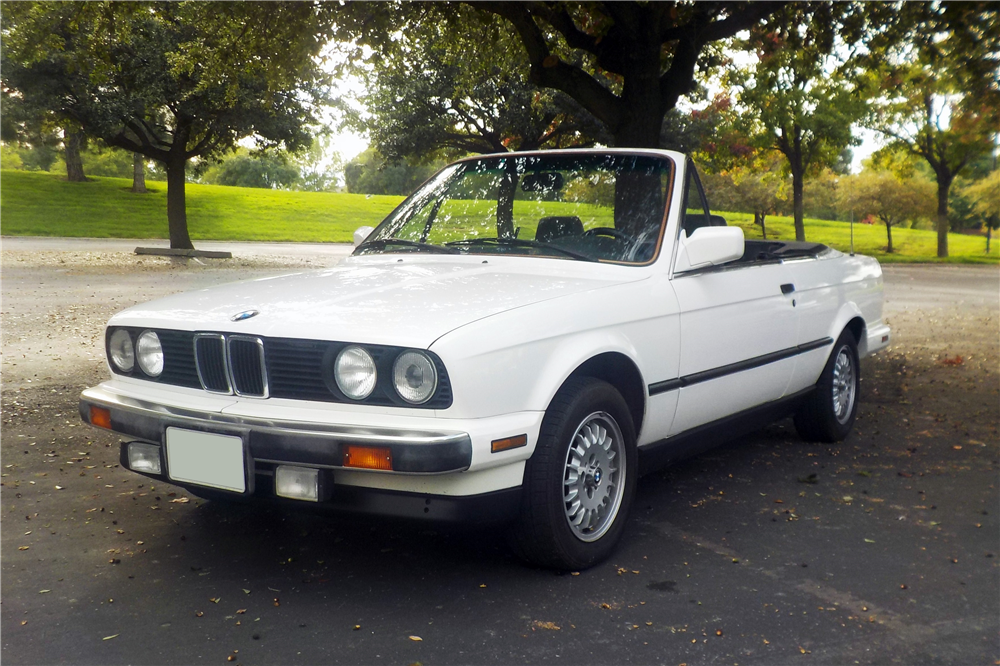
(519, 341)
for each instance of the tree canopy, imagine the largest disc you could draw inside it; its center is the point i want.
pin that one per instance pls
(625, 63)
(463, 91)
(171, 80)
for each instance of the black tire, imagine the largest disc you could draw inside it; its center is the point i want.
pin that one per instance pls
(829, 413)
(542, 534)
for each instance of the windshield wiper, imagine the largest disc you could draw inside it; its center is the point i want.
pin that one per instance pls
(426, 247)
(520, 242)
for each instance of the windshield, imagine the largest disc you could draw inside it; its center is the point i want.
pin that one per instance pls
(588, 207)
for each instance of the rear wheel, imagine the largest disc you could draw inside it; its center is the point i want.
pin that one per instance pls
(829, 413)
(580, 481)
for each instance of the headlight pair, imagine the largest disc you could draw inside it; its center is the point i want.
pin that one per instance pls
(147, 350)
(413, 374)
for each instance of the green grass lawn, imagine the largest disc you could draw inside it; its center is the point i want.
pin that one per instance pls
(41, 204)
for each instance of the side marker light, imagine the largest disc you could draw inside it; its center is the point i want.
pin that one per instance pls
(515, 442)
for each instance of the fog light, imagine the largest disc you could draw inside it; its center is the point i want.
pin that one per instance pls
(144, 458)
(301, 483)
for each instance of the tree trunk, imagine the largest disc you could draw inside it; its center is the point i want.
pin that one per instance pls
(763, 229)
(989, 232)
(640, 128)
(944, 185)
(138, 174)
(72, 140)
(798, 205)
(176, 206)
(888, 232)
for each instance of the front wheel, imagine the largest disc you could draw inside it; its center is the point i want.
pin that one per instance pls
(580, 481)
(829, 413)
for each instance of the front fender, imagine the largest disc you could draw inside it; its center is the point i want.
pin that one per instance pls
(517, 360)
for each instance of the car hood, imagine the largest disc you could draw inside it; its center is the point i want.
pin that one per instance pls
(390, 300)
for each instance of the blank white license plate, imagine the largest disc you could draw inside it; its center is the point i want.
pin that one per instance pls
(206, 459)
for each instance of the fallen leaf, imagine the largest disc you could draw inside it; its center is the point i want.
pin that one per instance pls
(215, 600)
(869, 541)
(180, 500)
(245, 591)
(416, 638)
(812, 478)
(357, 627)
(718, 632)
(241, 611)
(606, 606)
(24, 622)
(958, 360)
(60, 488)
(23, 547)
(108, 638)
(552, 626)
(44, 591)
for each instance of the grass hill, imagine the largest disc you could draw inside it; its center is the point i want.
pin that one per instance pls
(41, 204)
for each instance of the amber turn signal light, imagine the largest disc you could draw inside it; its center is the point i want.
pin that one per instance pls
(368, 457)
(100, 417)
(509, 443)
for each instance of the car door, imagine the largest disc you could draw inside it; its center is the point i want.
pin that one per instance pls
(738, 330)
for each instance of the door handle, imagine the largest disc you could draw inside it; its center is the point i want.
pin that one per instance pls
(787, 288)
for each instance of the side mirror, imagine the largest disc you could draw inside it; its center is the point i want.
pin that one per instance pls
(361, 233)
(709, 246)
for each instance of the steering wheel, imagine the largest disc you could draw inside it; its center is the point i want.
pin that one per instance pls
(608, 231)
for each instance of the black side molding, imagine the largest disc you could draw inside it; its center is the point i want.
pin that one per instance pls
(739, 366)
(704, 437)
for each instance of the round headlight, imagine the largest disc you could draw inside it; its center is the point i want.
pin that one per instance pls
(121, 351)
(415, 377)
(150, 353)
(355, 372)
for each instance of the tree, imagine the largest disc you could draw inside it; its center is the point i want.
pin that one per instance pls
(892, 200)
(267, 170)
(172, 81)
(930, 104)
(371, 173)
(756, 187)
(39, 131)
(467, 93)
(985, 194)
(625, 63)
(795, 101)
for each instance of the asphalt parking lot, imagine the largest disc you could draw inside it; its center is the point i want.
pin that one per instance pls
(883, 549)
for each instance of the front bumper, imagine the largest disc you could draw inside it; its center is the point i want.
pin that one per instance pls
(430, 475)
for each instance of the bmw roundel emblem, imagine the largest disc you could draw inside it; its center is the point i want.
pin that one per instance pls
(246, 314)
